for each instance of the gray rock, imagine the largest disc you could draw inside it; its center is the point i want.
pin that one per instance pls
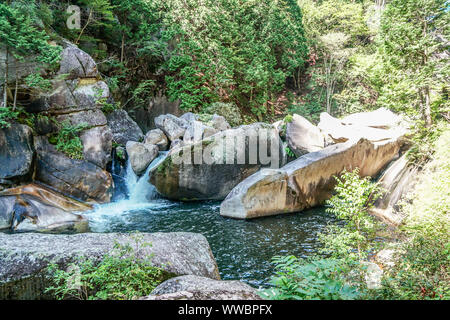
(210, 168)
(17, 153)
(87, 95)
(26, 255)
(219, 123)
(123, 128)
(177, 143)
(141, 155)
(93, 117)
(303, 137)
(77, 63)
(97, 145)
(156, 136)
(189, 117)
(307, 181)
(192, 287)
(36, 208)
(172, 126)
(198, 131)
(77, 178)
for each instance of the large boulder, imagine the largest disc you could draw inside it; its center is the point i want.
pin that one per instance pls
(173, 127)
(210, 168)
(342, 130)
(24, 257)
(303, 137)
(36, 208)
(124, 128)
(97, 145)
(76, 63)
(307, 181)
(77, 178)
(141, 155)
(17, 153)
(197, 131)
(157, 137)
(397, 180)
(192, 287)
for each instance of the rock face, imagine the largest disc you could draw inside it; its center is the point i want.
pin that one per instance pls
(97, 145)
(173, 127)
(24, 257)
(303, 137)
(77, 63)
(123, 128)
(17, 153)
(156, 136)
(398, 179)
(307, 181)
(36, 208)
(210, 168)
(77, 178)
(141, 155)
(200, 288)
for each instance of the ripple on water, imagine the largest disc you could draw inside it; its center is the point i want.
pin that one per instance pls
(243, 248)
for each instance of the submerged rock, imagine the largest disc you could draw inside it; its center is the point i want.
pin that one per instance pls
(210, 168)
(24, 257)
(77, 178)
(36, 208)
(200, 288)
(17, 153)
(303, 137)
(307, 181)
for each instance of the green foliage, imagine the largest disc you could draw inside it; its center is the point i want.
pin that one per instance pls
(35, 80)
(354, 197)
(6, 116)
(313, 279)
(290, 153)
(67, 140)
(227, 110)
(123, 274)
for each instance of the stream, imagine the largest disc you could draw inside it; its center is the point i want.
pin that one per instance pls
(242, 248)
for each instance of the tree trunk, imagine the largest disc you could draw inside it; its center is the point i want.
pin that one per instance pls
(427, 107)
(17, 85)
(5, 85)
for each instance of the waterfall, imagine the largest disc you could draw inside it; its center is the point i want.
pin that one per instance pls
(140, 194)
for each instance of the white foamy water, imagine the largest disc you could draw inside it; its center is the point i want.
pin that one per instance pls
(142, 195)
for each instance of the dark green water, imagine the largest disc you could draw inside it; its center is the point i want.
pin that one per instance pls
(243, 249)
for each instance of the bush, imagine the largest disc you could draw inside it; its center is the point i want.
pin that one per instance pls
(120, 275)
(227, 110)
(310, 279)
(6, 116)
(68, 141)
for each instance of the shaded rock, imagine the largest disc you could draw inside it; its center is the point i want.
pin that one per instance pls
(141, 155)
(36, 208)
(210, 168)
(88, 94)
(173, 127)
(77, 63)
(90, 117)
(124, 128)
(303, 137)
(177, 143)
(200, 288)
(77, 178)
(25, 256)
(17, 67)
(97, 145)
(145, 117)
(157, 137)
(397, 180)
(17, 153)
(307, 181)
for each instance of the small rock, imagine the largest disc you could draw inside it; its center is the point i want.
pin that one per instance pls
(173, 127)
(124, 128)
(156, 136)
(141, 155)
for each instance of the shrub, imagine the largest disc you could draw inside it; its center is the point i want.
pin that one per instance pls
(310, 279)
(120, 275)
(68, 141)
(227, 110)
(6, 116)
